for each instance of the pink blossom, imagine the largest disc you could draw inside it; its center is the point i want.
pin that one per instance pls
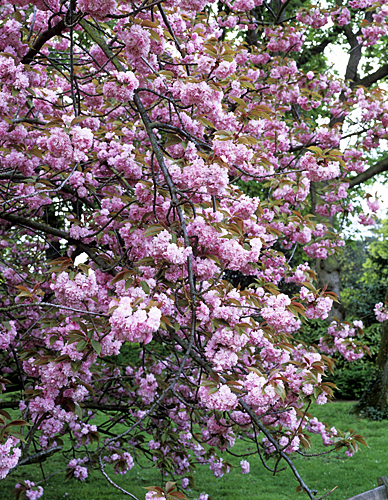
(9, 455)
(219, 468)
(318, 170)
(134, 325)
(162, 248)
(97, 8)
(59, 144)
(381, 312)
(153, 495)
(8, 333)
(81, 473)
(137, 41)
(30, 493)
(222, 400)
(122, 89)
(373, 205)
(244, 467)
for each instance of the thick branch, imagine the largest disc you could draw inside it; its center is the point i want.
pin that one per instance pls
(99, 40)
(378, 168)
(39, 457)
(38, 226)
(42, 39)
(355, 54)
(369, 80)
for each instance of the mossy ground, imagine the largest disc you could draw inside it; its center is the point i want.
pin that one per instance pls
(350, 475)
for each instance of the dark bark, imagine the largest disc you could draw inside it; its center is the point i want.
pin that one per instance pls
(369, 80)
(42, 39)
(377, 168)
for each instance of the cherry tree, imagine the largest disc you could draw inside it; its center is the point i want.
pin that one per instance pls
(129, 134)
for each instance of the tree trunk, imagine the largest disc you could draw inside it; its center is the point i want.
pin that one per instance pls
(328, 270)
(374, 401)
(328, 273)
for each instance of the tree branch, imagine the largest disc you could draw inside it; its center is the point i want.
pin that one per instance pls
(378, 168)
(42, 39)
(355, 54)
(46, 229)
(369, 80)
(254, 418)
(90, 406)
(39, 457)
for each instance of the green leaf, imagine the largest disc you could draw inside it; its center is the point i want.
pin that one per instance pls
(17, 435)
(17, 423)
(81, 345)
(96, 346)
(75, 365)
(78, 411)
(145, 287)
(153, 230)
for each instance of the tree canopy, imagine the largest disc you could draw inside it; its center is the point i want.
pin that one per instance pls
(150, 152)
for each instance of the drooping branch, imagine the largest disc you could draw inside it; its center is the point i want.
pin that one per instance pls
(254, 418)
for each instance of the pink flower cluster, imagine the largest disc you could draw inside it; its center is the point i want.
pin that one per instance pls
(317, 427)
(313, 17)
(30, 493)
(318, 307)
(122, 88)
(9, 455)
(319, 170)
(7, 334)
(131, 324)
(278, 316)
(162, 248)
(222, 400)
(341, 338)
(75, 292)
(123, 462)
(381, 312)
(97, 8)
(79, 472)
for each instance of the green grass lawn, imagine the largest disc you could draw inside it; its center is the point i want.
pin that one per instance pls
(350, 475)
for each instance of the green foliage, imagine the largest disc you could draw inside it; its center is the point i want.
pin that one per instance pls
(374, 414)
(364, 282)
(376, 264)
